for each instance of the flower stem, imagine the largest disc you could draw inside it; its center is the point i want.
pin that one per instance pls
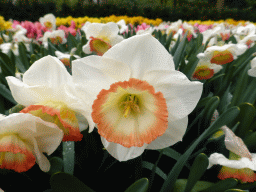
(69, 156)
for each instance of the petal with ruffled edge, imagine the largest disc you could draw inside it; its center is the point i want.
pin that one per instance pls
(98, 45)
(130, 113)
(173, 134)
(142, 53)
(181, 94)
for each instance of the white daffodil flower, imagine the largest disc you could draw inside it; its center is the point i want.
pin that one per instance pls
(56, 37)
(6, 47)
(101, 37)
(65, 57)
(23, 140)
(122, 26)
(141, 101)
(249, 40)
(205, 69)
(47, 91)
(49, 21)
(252, 71)
(223, 54)
(241, 162)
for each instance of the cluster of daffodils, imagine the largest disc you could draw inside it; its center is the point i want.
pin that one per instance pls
(133, 83)
(134, 96)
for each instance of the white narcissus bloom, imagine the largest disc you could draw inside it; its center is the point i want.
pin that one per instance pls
(49, 21)
(122, 26)
(56, 37)
(252, 71)
(47, 91)
(6, 47)
(249, 40)
(65, 57)
(241, 162)
(141, 101)
(101, 37)
(223, 54)
(205, 69)
(149, 30)
(24, 138)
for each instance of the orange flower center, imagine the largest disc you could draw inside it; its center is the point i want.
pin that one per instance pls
(48, 24)
(56, 40)
(203, 72)
(130, 113)
(222, 57)
(65, 61)
(99, 45)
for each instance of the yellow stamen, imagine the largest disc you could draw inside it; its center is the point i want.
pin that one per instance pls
(130, 103)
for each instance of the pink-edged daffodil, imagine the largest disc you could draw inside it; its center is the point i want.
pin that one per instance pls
(101, 37)
(47, 91)
(49, 21)
(23, 140)
(65, 57)
(205, 70)
(56, 37)
(241, 162)
(223, 54)
(141, 101)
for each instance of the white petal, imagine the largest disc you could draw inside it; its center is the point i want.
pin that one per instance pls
(173, 134)
(109, 29)
(93, 29)
(142, 53)
(47, 71)
(252, 72)
(244, 162)
(86, 48)
(181, 94)
(122, 153)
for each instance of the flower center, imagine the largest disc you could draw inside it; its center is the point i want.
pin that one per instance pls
(48, 24)
(57, 112)
(65, 61)
(99, 45)
(222, 57)
(130, 113)
(130, 105)
(203, 72)
(56, 40)
(248, 43)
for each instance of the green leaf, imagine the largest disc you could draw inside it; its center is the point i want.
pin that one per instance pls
(150, 166)
(173, 50)
(51, 48)
(221, 186)
(72, 42)
(246, 117)
(6, 93)
(179, 52)
(23, 55)
(173, 154)
(227, 117)
(64, 182)
(168, 42)
(17, 108)
(32, 58)
(198, 168)
(7, 66)
(139, 186)
(200, 185)
(235, 190)
(56, 165)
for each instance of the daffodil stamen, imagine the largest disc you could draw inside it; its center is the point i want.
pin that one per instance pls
(131, 103)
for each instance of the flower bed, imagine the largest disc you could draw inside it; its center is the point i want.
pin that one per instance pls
(146, 104)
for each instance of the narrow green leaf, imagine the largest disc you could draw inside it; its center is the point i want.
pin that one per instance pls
(72, 42)
(148, 165)
(20, 65)
(7, 66)
(61, 182)
(179, 52)
(68, 156)
(221, 186)
(23, 55)
(168, 42)
(227, 117)
(139, 186)
(173, 49)
(200, 185)
(6, 93)
(235, 190)
(51, 48)
(32, 58)
(198, 168)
